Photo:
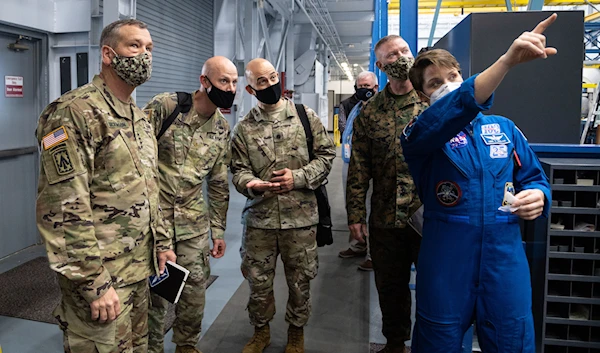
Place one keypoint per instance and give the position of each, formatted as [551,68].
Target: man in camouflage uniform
[193,149]
[97,205]
[377,155]
[366,86]
[271,167]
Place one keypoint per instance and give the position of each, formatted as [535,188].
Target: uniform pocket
[119,163]
[261,157]
[79,322]
[312,261]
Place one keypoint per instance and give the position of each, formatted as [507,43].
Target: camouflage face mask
[134,70]
[399,69]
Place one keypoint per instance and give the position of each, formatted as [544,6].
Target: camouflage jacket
[260,146]
[377,154]
[191,151]
[97,204]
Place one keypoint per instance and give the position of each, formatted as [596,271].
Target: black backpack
[324,233]
[185,102]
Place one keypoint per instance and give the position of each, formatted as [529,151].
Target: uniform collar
[213,124]
[260,115]
[192,118]
[118,106]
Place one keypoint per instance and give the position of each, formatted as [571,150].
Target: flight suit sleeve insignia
[408,128]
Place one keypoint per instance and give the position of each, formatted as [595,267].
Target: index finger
[542,26]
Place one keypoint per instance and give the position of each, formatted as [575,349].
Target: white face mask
[443,90]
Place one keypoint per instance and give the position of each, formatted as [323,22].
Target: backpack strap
[306,124]
[184,104]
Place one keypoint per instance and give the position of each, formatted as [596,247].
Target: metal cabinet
[571,301]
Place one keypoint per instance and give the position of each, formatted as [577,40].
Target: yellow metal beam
[454,11]
[589,85]
[592,17]
[430,4]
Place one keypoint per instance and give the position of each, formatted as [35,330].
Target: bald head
[218,64]
[221,72]
[260,73]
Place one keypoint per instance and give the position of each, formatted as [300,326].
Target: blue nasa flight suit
[472,264]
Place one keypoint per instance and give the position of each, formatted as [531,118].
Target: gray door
[18,151]
[183,36]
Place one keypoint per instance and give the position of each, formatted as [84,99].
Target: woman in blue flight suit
[472,264]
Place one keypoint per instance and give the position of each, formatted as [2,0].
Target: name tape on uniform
[495,139]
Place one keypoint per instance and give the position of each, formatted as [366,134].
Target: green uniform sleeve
[359,172]
[164,238]
[218,191]
[159,108]
[240,163]
[64,211]
[312,175]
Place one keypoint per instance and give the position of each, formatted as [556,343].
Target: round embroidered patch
[448,193]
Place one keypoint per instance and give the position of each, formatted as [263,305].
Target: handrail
[15,152]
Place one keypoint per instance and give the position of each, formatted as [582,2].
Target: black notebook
[170,284]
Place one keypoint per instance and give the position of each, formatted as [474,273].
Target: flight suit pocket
[503,337]
[502,168]
[119,162]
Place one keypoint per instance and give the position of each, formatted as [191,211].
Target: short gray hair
[110,34]
[365,74]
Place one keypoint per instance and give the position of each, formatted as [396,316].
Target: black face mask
[220,98]
[364,93]
[269,95]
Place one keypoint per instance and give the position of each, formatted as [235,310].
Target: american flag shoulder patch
[55,137]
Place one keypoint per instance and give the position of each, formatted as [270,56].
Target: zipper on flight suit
[482,186]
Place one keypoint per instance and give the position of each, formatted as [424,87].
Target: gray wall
[542,97]
[183,36]
[18,151]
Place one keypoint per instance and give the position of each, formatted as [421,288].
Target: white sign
[13,86]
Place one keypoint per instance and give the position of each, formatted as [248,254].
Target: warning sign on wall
[13,86]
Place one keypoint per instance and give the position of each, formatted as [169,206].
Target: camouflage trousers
[393,252]
[193,254]
[259,251]
[128,333]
